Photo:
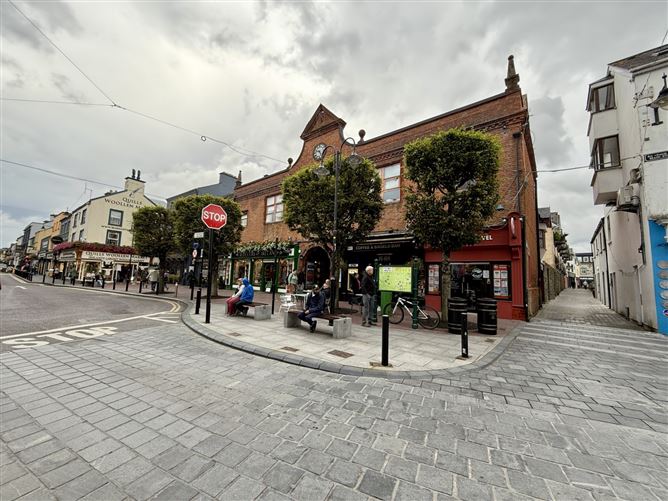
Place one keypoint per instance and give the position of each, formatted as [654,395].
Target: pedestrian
[231,302]
[355,283]
[246,297]
[368,289]
[293,280]
[153,276]
[327,292]
[73,276]
[313,307]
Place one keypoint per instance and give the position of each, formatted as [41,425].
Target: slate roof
[544,212]
[649,56]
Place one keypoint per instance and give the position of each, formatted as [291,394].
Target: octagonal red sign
[214,216]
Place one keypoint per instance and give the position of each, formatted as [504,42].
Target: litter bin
[486,309]
[457,306]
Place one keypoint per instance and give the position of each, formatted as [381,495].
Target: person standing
[315,304]
[293,280]
[368,290]
[153,276]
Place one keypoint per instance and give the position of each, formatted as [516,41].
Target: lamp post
[321,171]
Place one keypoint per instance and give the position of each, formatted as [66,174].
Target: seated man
[315,304]
[246,297]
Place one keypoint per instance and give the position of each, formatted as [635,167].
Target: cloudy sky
[250,74]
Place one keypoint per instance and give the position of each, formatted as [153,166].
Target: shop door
[471,281]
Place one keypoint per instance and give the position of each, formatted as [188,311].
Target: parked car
[4,267]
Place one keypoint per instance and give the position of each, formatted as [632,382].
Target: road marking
[161,320]
[82,326]
[19,280]
[31,342]
[20,287]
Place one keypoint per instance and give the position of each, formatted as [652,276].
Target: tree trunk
[445,286]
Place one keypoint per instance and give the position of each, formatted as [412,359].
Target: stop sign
[214,216]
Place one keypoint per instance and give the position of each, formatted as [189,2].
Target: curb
[347,370]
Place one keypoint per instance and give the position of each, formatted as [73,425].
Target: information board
[395,278]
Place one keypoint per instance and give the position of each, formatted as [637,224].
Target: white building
[628,136]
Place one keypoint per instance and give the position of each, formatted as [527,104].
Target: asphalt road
[34,314]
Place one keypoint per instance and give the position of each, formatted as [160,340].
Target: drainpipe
[607,264]
[524,270]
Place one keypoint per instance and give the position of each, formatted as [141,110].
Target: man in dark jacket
[315,304]
[368,291]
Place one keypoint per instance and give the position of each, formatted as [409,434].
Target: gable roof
[322,120]
[652,56]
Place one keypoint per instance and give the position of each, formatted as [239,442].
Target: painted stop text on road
[61,336]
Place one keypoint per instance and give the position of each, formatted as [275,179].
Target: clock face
[318,151]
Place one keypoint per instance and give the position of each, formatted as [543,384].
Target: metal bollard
[63,277]
[192,291]
[103,282]
[127,284]
[53,278]
[141,283]
[465,336]
[43,277]
[199,298]
[385,347]
[114,284]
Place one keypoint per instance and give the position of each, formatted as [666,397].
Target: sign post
[214,217]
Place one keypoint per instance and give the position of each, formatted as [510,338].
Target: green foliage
[252,249]
[309,203]
[455,190]
[187,221]
[152,229]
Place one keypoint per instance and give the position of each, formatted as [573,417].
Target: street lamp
[321,171]
[661,100]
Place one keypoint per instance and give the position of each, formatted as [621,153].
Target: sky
[249,75]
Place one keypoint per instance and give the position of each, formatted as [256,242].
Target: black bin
[486,310]
[457,306]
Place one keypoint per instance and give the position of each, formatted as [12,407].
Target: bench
[341,326]
[262,310]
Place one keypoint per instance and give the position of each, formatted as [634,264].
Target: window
[244,219]
[274,212]
[81,235]
[605,153]
[115,217]
[83,216]
[113,237]
[541,239]
[391,191]
[602,98]
[76,220]
[44,244]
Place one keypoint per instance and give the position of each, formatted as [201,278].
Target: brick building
[504,265]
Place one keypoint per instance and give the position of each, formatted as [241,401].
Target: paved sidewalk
[581,307]
[410,350]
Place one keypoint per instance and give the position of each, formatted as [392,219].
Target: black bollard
[192,291]
[127,284]
[114,284]
[63,277]
[103,282]
[53,277]
[43,277]
[465,336]
[199,298]
[385,349]
[141,283]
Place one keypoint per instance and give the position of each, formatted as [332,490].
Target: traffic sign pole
[207,318]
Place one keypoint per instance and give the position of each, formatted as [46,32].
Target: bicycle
[427,317]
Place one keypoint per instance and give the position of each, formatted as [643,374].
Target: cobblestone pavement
[567,412]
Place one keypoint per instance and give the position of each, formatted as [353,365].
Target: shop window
[274,209]
[480,280]
[244,219]
[602,98]
[115,217]
[83,216]
[113,237]
[605,153]
[434,279]
[391,190]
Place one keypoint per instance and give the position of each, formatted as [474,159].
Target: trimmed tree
[309,206]
[153,231]
[188,221]
[455,191]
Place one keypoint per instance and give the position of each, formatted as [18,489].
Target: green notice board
[395,278]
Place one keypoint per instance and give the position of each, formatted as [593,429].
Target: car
[4,267]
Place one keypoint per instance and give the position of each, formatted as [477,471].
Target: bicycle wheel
[429,318]
[395,312]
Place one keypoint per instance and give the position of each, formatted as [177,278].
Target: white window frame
[273,212]
[244,219]
[118,242]
[385,180]
[120,223]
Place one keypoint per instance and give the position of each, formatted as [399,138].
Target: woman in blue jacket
[246,298]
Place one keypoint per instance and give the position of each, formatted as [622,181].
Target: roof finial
[512,80]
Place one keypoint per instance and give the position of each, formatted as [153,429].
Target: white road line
[20,287]
[82,326]
[161,320]
[19,280]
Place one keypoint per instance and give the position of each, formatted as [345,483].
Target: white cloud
[251,74]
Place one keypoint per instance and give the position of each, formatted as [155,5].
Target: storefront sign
[112,256]
[377,245]
[68,255]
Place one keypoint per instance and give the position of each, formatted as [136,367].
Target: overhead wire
[204,137]
[69,176]
[77,103]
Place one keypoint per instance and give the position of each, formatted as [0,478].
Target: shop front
[493,268]
[263,264]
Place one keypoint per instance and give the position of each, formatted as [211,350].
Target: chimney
[512,80]
[134,183]
[238,183]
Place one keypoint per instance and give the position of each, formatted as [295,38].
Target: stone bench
[341,326]
[262,311]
